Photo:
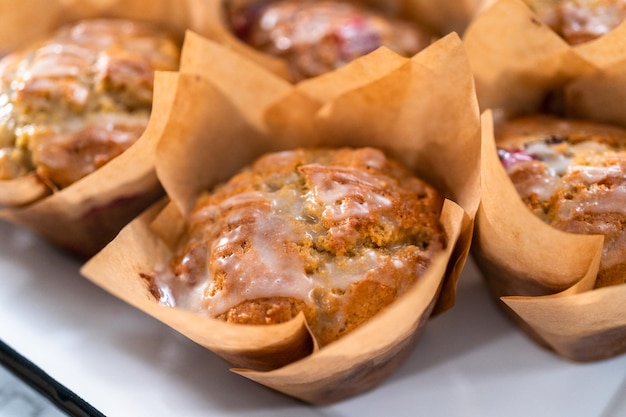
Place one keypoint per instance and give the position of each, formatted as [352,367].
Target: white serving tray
[470,361]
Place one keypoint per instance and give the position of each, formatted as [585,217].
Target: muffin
[316,37]
[223,133]
[571,174]
[579,21]
[73,102]
[334,234]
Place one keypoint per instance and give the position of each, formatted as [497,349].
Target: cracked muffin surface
[316,37]
[334,234]
[572,175]
[71,103]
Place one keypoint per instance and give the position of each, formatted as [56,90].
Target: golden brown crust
[571,174]
[335,234]
[273,310]
[580,21]
[73,102]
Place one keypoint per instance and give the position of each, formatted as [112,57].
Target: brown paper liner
[22,190]
[309,114]
[139,250]
[86,215]
[440,17]
[443,16]
[361,360]
[604,51]
[517,61]
[585,327]
[526,262]
[599,96]
[607,50]
[422,111]
[544,277]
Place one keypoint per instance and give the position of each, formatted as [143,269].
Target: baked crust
[73,102]
[334,234]
[572,174]
[316,37]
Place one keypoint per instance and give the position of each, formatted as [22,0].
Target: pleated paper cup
[442,16]
[604,51]
[420,111]
[518,62]
[543,277]
[86,215]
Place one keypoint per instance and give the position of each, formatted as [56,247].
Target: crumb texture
[572,174]
[335,234]
[71,103]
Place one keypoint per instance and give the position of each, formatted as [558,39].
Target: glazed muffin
[571,174]
[579,21]
[316,37]
[73,102]
[334,234]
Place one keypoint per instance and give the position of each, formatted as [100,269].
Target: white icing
[59,60]
[612,253]
[597,200]
[7,136]
[543,186]
[268,268]
[556,161]
[553,156]
[375,160]
[349,193]
[564,164]
[592,174]
[350,269]
[190,299]
[260,240]
[269,19]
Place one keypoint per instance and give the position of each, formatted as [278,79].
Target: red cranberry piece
[510,157]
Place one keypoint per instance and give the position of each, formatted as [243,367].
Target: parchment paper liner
[545,277]
[212,134]
[516,60]
[441,17]
[604,51]
[86,215]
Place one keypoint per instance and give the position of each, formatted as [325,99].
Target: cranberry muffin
[572,175]
[316,37]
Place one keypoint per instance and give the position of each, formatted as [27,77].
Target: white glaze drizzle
[261,254]
[270,267]
[600,169]
[346,192]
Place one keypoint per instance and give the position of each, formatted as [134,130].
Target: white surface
[470,361]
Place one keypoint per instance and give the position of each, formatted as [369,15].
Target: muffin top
[71,103]
[579,21]
[334,234]
[571,174]
[320,36]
